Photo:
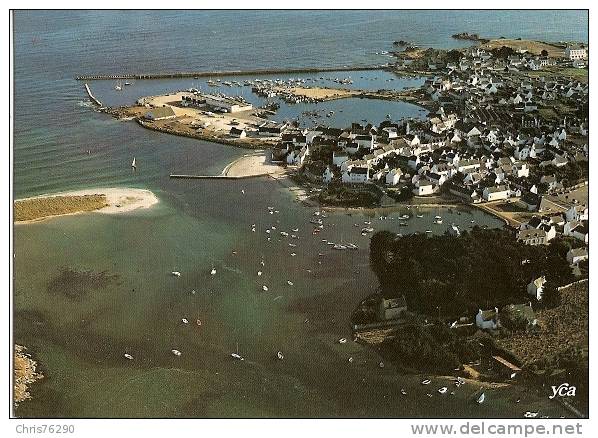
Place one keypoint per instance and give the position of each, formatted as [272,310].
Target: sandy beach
[118,200]
[253,165]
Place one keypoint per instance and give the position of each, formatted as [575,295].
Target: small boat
[339,247]
[289,282]
[295,230]
[443,390]
[381,365]
[236,354]
[404,216]
[351,359]
[259,273]
[530,414]
[213,271]
[429,231]
[342,341]
[185,321]
[426,382]
[279,355]
[284,233]
[481,398]
[134,164]
[438,217]
[176,273]
[419,216]
[198,322]
[128,356]
[118,86]
[127,83]
[403,391]
[176,352]
[265,288]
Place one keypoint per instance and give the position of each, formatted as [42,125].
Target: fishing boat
[134,164]
[176,273]
[443,390]
[426,382]
[176,352]
[128,356]
[279,355]
[481,398]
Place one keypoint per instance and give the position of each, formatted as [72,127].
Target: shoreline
[119,200]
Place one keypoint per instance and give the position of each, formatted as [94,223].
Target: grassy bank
[39,208]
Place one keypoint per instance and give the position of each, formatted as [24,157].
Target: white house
[487,319]
[536,288]
[577,213]
[356,175]
[495,193]
[338,158]
[393,177]
[577,53]
[423,187]
[327,175]
[576,229]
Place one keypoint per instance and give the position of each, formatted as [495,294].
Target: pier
[174,75]
[91,96]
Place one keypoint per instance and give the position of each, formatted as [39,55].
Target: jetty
[194,74]
[181,176]
[92,97]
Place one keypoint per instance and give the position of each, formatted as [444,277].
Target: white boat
[419,215]
[481,398]
[443,390]
[404,216]
[403,391]
[259,273]
[236,355]
[342,341]
[213,271]
[185,321]
[127,83]
[351,360]
[438,217]
[426,382]
[530,414]
[176,352]
[339,246]
[118,86]
[134,163]
[279,355]
[381,364]
[176,273]
[438,221]
[295,230]
[128,356]
[289,282]
[265,288]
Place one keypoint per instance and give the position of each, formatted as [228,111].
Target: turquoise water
[61,144]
